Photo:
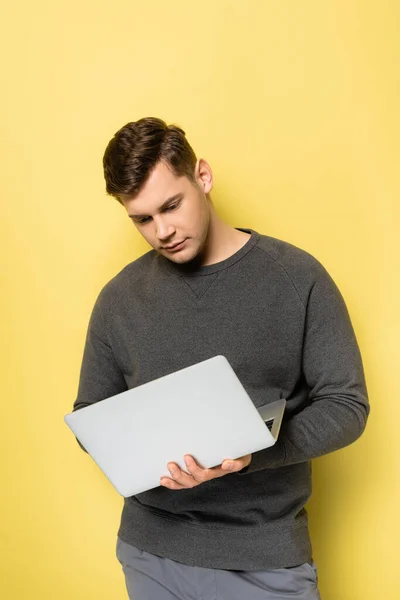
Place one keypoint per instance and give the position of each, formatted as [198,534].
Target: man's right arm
[100,374]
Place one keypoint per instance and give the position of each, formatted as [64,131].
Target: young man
[238,531]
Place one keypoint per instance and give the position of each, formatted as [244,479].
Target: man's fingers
[232,466]
[171,484]
[180,476]
[199,474]
[228,466]
[196,475]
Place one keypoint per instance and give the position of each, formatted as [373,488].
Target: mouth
[175,247]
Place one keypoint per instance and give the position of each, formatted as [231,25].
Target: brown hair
[135,150]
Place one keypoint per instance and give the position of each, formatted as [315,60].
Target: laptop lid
[202,410]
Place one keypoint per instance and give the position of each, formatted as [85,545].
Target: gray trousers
[150,577]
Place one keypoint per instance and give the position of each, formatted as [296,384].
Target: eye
[143,221]
[172,206]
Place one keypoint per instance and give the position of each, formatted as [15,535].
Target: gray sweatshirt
[276,314]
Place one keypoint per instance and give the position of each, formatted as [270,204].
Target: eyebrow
[164,204]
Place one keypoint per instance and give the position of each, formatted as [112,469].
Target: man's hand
[182,480]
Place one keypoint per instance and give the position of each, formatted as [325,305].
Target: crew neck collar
[192,270]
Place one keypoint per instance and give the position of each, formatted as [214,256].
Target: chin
[185,256]
[181,259]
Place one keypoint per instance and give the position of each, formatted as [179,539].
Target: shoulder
[301,267]
[132,276]
[287,255]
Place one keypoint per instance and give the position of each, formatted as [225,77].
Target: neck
[222,241]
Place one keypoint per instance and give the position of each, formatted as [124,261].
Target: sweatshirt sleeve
[100,374]
[337,409]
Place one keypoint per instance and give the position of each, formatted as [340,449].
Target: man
[238,531]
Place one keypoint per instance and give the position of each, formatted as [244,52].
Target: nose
[164,230]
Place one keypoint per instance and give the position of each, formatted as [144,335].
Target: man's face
[171,213]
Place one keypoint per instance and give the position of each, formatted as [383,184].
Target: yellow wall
[295,106]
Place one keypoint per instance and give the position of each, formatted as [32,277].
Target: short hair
[135,150]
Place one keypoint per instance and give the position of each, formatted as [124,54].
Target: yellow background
[295,106]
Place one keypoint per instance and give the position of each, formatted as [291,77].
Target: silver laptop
[202,410]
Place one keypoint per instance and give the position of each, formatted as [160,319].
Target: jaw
[187,255]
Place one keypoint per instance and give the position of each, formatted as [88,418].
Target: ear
[203,175]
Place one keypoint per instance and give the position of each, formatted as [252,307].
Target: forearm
[328,424]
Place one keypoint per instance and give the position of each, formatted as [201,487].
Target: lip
[174,247]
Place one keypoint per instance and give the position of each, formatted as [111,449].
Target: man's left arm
[333,370]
